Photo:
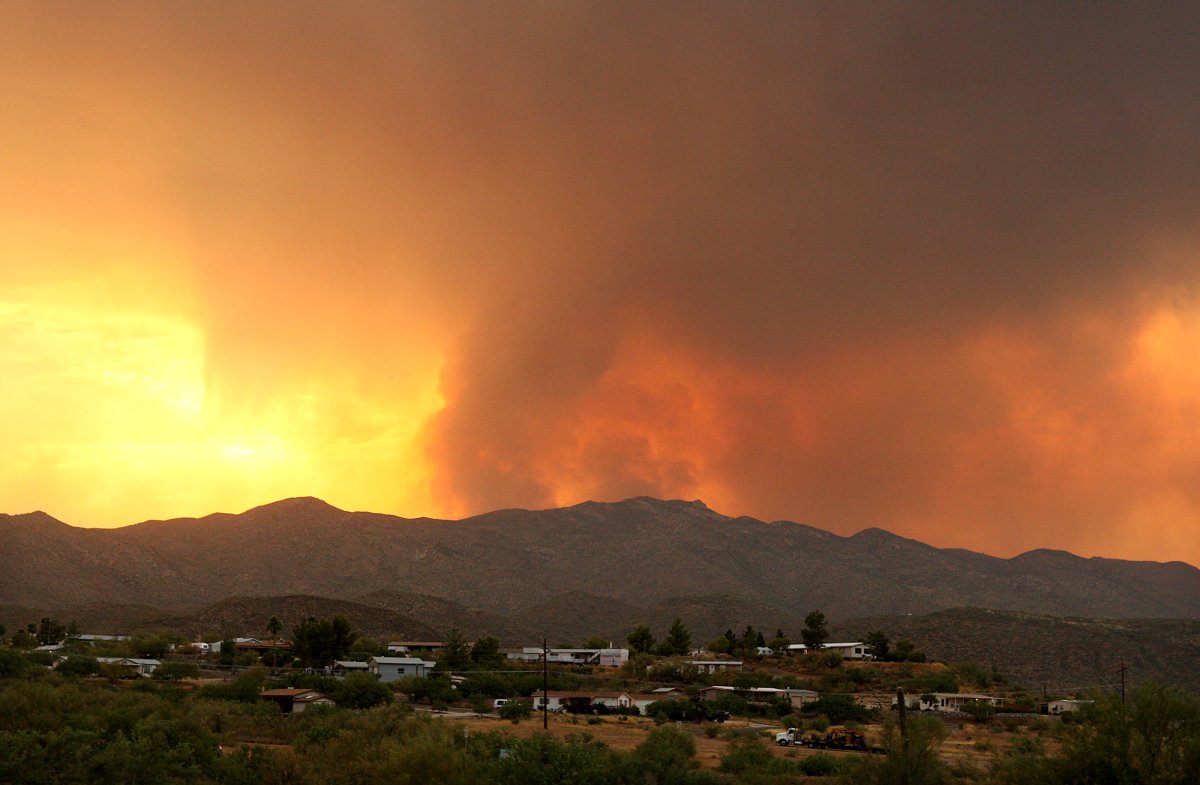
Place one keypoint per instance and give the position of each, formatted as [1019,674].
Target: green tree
[679,639]
[1152,739]
[486,651]
[780,642]
[365,648]
[274,625]
[318,642]
[911,759]
[906,651]
[666,756]
[23,639]
[150,645]
[515,710]
[361,691]
[749,640]
[877,645]
[816,630]
[641,640]
[455,653]
[50,631]
[77,665]
[13,663]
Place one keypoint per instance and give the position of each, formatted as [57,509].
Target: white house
[642,701]
[557,700]
[954,701]
[855,650]
[342,667]
[713,666]
[393,668]
[413,647]
[1063,706]
[135,665]
[605,658]
[89,638]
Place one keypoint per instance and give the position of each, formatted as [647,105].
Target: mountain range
[593,568]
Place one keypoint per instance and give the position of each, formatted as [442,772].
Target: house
[135,666]
[261,647]
[642,701]
[954,701]
[413,647]
[855,650]
[612,700]
[393,668]
[1063,706]
[667,693]
[294,700]
[713,666]
[141,666]
[578,702]
[89,638]
[342,667]
[794,696]
[605,658]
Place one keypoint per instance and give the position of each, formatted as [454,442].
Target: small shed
[293,700]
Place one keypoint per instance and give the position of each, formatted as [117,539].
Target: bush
[820,765]
[12,663]
[361,691]
[515,711]
[77,665]
[745,753]
[840,708]
[174,671]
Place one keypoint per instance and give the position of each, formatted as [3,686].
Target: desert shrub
[820,765]
[840,708]
[361,691]
[515,710]
[745,753]
[174,671]
[79,665]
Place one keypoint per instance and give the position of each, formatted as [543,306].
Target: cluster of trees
[748,643]
[678,640]
[879,647]
[457,654]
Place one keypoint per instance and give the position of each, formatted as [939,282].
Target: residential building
[341,668]
[855,650]
[414,647]
[393,668]
[605,658]
[714,666]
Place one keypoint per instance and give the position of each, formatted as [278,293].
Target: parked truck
[835,739]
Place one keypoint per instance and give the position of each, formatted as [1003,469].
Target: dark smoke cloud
[847,264]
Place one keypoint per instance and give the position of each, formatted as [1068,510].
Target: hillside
[1036,650]
[637,554]
[248,615]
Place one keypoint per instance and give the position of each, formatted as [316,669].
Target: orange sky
[932,268]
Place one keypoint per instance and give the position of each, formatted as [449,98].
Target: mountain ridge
[638,552]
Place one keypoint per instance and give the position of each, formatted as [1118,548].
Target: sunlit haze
[928,267]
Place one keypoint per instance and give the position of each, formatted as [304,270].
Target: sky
[930,267]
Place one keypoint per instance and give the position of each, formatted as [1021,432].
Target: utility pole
[900,708]
[1122,681]
[545,685]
